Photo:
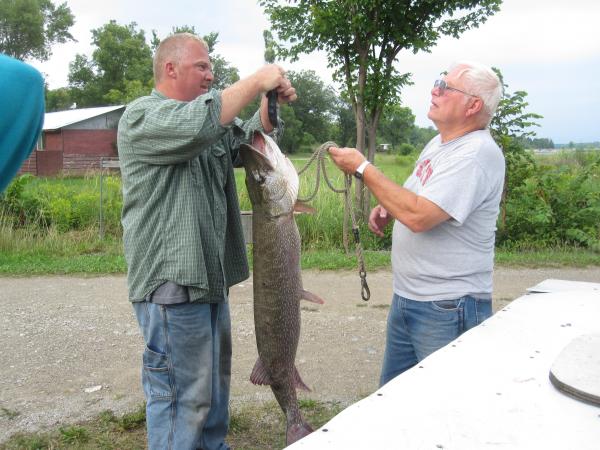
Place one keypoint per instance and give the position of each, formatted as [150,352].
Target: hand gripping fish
[272,184]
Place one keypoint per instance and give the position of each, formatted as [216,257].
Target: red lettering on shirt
[424,171]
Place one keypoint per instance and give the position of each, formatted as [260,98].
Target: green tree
[294,137]
[396,124]
[419,136]
[224,73]
[509,126]
[119,71]
[316,103]
[270,51]
[29,28]
[84,86]
[58,99]
[363,38]
[346,124]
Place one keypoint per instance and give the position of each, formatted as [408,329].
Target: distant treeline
[579,145]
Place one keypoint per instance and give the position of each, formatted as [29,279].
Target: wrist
[358,173]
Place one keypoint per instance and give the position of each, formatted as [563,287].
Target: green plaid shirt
[181,218]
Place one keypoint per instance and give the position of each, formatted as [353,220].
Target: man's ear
[475,105]
[170,70]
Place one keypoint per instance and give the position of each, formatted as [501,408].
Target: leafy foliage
[363,38]
[65,204]
[224,74]
[315,105]
[29,28]
[542,205]
[119,71]
[396,125]
[555,206]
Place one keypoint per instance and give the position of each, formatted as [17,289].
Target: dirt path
[71,348]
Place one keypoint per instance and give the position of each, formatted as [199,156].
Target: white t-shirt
[465,178]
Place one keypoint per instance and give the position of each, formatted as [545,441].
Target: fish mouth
[259,151]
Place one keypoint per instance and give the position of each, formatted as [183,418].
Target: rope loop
[319,156]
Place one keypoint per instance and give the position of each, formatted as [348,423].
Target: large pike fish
[272,184]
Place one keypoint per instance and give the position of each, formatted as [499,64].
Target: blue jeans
[186,374]
[416,329]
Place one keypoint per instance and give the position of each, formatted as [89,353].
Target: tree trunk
[360,145]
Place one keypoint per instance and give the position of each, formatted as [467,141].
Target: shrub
[554,206]
[406,149]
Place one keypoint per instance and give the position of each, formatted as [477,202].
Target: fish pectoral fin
[298,383]
[306,295]
[302,207]
[259,374]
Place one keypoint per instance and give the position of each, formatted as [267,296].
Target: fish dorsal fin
[303,207]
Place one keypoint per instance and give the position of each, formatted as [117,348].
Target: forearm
[415,212]
[236,96]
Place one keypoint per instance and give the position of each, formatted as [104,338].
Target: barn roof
[60,119]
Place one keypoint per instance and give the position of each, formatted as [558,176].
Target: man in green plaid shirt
[183,237]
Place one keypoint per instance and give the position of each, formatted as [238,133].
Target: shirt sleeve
[458,186]
[164,131]
[21,114]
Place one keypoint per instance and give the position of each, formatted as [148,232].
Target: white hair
[481,81]
[171,49]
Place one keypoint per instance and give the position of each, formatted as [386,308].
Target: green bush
[406,149]
[553,205]
[68,203]
[544,205]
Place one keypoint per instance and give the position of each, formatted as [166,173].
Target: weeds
[9,413]
[251,427]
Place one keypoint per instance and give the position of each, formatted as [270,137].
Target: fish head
[271,178]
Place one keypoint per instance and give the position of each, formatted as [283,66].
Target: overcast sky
[548,48]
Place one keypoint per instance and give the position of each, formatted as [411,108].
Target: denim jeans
[186,374]
[415,329]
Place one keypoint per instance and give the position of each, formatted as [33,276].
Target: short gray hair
[170,49]
[481,81]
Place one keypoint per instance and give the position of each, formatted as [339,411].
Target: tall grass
[324,229]
[51,225]
[567,158]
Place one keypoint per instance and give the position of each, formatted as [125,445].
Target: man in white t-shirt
[445,220]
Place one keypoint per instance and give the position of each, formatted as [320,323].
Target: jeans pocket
[156,378]
[445,305]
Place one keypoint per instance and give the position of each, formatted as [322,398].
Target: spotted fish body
[272,184]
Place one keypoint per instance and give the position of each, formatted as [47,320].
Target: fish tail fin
[259,374]
[306,295]
[298,383]
[297,431]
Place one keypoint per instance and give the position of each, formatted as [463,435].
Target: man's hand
[269,77]
[378,220]
[242,92]
[286,93]
[347,159]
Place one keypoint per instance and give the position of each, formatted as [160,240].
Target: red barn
[75,140]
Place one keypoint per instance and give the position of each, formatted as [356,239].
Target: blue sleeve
[21,115]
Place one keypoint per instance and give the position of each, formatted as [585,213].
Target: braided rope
[319,156]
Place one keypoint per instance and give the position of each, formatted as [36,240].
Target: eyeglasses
[442,86]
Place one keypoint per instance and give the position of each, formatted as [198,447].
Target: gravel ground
[71,346]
